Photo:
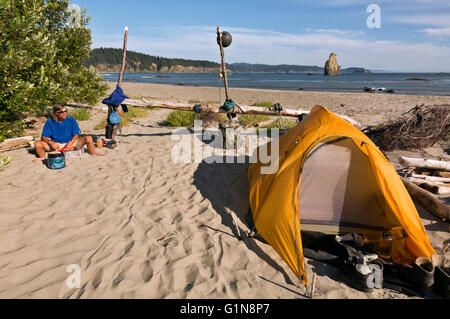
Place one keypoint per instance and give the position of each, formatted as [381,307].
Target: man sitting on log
[62,133]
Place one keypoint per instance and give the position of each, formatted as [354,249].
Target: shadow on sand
[225,185]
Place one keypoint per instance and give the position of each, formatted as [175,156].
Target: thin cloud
[437,20]
[349,33]
[440,32]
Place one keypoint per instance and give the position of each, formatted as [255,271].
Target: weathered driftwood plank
[264,123]
[433,204]
[442,174]
[241,109]
[435,187]
[432,178]
[15,143]
[425,163]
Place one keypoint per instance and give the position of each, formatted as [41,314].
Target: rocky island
[331,66]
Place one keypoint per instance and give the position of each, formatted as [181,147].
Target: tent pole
[296,247]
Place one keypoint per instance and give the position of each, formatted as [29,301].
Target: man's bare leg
[41,147]
[89,142]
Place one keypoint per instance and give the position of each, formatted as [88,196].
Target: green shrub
[81,114]
[133,112]
[41,61]
[289,124]
[196,101]
[253,119]
[263,104]
[4,161]
[179,118]
[101,125]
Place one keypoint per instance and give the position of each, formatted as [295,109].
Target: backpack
[114,118]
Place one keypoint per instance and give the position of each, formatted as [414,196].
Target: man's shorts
[62,145]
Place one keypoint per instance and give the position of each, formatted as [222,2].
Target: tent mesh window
[338,191]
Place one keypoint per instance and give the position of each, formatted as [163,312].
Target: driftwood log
[435,187]
[433,204]
[432,178]
[425,163]
[15,143]
[241,109]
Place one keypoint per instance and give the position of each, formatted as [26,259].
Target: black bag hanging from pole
[226,39]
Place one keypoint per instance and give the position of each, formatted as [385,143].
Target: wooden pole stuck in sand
[223,66]
[124,56]
[313,286]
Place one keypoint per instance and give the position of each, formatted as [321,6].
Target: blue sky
[414,35]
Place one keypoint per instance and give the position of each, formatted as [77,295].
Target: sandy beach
[139,225]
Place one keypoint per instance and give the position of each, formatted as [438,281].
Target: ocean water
[401,83]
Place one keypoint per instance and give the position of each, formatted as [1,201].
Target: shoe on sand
[441,275]
[420,276]
[111,144]
[363,278]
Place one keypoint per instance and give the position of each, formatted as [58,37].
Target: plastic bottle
[385,246]
[99,142]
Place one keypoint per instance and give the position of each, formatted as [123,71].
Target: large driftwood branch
[434,187]
[433,204]
[15,143]
[242,109]
[425,163]
[432,178]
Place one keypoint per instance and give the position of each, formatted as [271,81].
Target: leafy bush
[263,104]
[80,114]
[179,118]
[252,119]
[4,161]
[196,101]
[42,61]
[133,112]
[101,125]
[289,124]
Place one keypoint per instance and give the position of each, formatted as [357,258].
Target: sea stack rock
[331,66]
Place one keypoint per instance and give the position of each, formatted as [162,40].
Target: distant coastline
[108,60]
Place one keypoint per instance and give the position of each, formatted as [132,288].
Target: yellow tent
[332,178]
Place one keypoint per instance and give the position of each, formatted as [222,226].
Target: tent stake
[313,286]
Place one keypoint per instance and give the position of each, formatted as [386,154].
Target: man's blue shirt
[61,132]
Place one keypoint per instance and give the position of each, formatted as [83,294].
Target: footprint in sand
[96,281]
[147,271]
[191,274]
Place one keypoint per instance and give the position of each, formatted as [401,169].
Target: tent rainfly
[333,179]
